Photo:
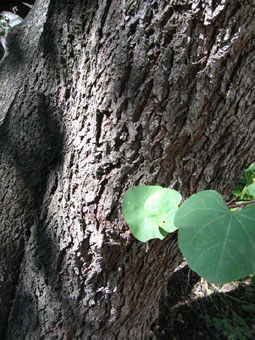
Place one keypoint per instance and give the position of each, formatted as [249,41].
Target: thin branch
[240,205]
[26,4]
[239,195]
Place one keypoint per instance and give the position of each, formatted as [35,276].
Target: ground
[194,309]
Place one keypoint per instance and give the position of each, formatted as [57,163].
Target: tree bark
[96,97]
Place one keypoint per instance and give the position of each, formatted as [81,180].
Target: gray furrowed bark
[112,94]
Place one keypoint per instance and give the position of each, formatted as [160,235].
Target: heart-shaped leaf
[217,243]
[150,211]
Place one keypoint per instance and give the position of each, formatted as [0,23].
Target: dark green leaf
[218,244]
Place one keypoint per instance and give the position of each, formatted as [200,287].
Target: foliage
[234,328]
[218,244]
[245,190]
[218,241]
[150,211]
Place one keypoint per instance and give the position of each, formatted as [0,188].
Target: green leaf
[251,190]
[150,211]
[218,244]
[160,208]
[248,308]
[251,167]
[237,190]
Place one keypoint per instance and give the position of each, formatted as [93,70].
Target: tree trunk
[96,97]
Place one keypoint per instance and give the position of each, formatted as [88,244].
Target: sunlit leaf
[150,210]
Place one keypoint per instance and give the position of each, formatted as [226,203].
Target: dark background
[21,9]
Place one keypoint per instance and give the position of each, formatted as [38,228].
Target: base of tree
[191,302]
